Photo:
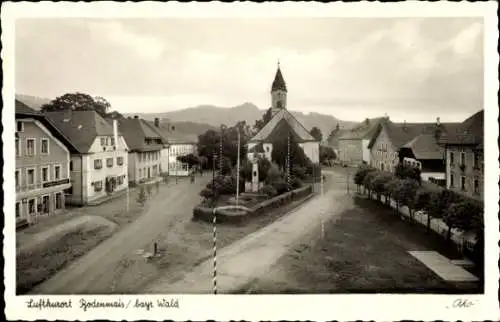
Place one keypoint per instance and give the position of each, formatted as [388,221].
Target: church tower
[278,92]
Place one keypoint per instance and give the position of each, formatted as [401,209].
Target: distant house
[179,144]
[145,144]
[353,144]
[464,150]
[42,171]
[282,124]
[413,144]
[332,140]
[98,167]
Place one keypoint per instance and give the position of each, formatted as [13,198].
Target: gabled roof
[279,82]
[425,147]
[81,127]
[469,132]
[301,132]
[136,131]
[366,130]
[24,111]
[335,135]
[172,136]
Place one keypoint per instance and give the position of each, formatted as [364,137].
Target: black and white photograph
[242,154]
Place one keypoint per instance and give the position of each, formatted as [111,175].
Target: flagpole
[238,170]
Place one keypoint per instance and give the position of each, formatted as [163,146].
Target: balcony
[39,186]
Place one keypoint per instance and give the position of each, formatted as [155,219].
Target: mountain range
[215,116]
[201,118]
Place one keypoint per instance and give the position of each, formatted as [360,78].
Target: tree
[379,181]
[368,182]
[189,159]
[280,152]
[396,192]
[316,133]
[402,171]
[360,175]
[259,124]
[78,102]
[326,153]
[408,191]
[458,215]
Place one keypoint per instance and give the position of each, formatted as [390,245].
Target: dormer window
[20,126]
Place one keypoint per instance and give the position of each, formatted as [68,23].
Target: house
[98,168]
[179,144]
[145,145]
[353,144]
[413,144]
[281,125]
[333,139]
[464,153]
[42,171]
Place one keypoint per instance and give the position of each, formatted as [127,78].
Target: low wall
[229,216]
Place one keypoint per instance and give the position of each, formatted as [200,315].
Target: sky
[352,68]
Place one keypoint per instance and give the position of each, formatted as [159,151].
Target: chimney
[157,122]
[136,116]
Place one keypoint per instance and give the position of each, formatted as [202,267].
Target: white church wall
[311,150]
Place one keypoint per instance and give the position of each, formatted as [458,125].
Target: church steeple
[278,91]
[279,81]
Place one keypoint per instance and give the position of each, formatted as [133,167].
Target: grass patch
[365,251]
[38,265]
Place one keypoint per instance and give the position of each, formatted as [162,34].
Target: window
[30,177]
[70,165]
[476,159]
[119,180]
[59,200]
[18,179]
[103,141]
[462,183]
[31,206]
[18,210]
[140,173]
[112,141]
[20,126]
[57,172]
[45,146]
[30,146]
[462,158]
[45,174]
[476,185]
[98,164]
[97,186]
[452,158]
[452,180]
[109,162]
[119,160]
[18,148]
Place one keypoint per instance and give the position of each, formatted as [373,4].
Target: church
[282,124]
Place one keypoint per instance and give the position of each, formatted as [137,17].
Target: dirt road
[255,254]
[93,273]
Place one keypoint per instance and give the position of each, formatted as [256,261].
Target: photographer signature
[462,304]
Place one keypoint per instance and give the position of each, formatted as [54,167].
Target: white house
[282,123]
[99,168]
[178,144]
[145,145]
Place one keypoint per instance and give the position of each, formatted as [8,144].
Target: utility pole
[238,169]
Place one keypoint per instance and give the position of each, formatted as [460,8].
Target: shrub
[280,185]
[458,215]
[368,181]
[407,172]
[296,183]
[299,172]
[360,175]
[274,174]
[269,190]
[379,181]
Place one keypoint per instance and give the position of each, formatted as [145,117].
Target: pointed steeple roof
[279,81]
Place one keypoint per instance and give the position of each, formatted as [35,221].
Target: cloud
[465,42]
[114,32]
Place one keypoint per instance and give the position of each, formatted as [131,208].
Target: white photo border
[264,307]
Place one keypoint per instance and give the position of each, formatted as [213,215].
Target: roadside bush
[269,190]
